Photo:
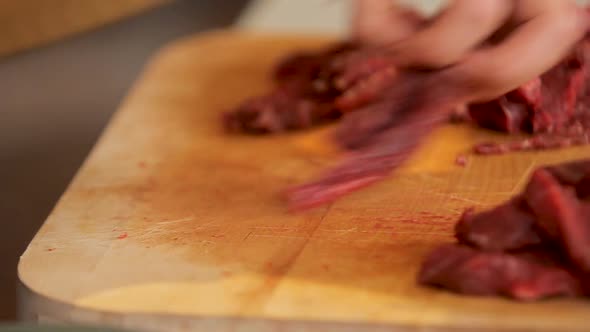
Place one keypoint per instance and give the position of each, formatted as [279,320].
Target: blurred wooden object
[29,23]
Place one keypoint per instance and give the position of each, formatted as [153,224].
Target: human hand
[485,47]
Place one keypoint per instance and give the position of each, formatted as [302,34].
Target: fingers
[381,22]
[459,29]
[529,51]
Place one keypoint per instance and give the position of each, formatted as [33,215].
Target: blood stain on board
[461,161]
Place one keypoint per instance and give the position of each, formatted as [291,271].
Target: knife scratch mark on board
[161,227]
[165,222]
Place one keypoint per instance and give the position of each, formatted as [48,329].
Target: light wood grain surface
[30,23]
[171,217]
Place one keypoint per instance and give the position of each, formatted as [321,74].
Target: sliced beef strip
[468,271]
[277,112]
[583,188]
[297,66]
[303,96]
[562,216]
[396,127]
[560,89]
[509,113]
[314,88]
[501,114]
[310,64]
[570,173]
[529,93]
[509,226]
[575,173]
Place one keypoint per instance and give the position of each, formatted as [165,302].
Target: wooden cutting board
[173,225]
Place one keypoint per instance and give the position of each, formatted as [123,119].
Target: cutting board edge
[39,308]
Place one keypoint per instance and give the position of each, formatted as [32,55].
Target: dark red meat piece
[544,105]
[468,271]
[576,173]
[304,96]
[314,88]
[529,93]
[380,142]
[501,114]
[554,108]
[277,112]
[509,226]
[562,216]
[560,89]
[309,65]
[583,188]
[511,112]
[570,173]
[536,245]
[297,66]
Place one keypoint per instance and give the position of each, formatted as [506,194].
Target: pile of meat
[534,246]
[385,113]
[554,108]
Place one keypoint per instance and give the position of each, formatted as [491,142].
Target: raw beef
[554,108]
[502,114]
[536,245]
[381,137]
[583,188]
[509,226]
[571,173]
[278,111]
[562,216]
[468,271]
[303,96]
[386,112]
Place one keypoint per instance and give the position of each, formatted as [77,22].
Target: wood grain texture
[169,216]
